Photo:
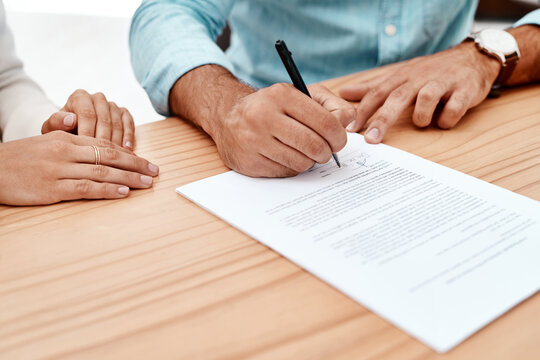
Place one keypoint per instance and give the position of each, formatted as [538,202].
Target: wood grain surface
[154,276]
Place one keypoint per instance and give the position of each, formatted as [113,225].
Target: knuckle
[88,113]
[117,125]
[99,96]
[400,93]
[58,146]
[103,143]
[349,113]
[111,154]
[315,149]
[133,178]
[59,134]
[376,92]
[83,187]
[384,116]
[105,121]
[426,96]
[278,89]
[141,164]
[330,124]
[100,171]
[79,93]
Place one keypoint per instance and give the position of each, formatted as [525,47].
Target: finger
[300,137]
[343,110]
[356,92]
[389,113]
[81,104]
[107,174]
[261,166]
[287,156]
[104,121]
[426,102]
[113,157]
[129,129]
[60,120]
[454,110]
[310,113]
[89,141]
[87,189]
[117,124]
[372,101]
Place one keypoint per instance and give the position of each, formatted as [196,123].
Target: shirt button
[390,30]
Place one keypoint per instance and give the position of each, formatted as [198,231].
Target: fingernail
[352,126]
[147,180]
[153,168]
[373,134]
[128,144]
[69,120]
[123,190]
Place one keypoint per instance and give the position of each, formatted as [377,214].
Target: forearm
[205,95]
[528,67]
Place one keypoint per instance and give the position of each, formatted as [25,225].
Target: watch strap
[507,68]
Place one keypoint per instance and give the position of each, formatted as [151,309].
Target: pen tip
[336,160]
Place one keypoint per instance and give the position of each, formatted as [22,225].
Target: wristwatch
[500,45]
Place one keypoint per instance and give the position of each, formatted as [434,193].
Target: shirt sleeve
[531,18]
[23,105]
[168,38]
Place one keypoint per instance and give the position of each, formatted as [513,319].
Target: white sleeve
[23,105]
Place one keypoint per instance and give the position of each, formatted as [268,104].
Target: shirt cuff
[531,18]
[171,64]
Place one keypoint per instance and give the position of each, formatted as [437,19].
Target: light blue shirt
[327,38]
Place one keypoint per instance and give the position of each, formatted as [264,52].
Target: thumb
[60,120]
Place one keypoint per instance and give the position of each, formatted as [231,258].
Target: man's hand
[451,82]
[441,87]
[279,131]
[274,132]
[93,115]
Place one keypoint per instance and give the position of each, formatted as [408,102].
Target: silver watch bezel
[479,39]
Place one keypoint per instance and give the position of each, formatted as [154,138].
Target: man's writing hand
[278,131]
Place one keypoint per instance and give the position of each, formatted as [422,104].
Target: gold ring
[97,155]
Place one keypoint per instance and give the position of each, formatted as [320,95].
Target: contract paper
[438,253]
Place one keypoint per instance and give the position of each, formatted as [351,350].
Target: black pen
[295,76]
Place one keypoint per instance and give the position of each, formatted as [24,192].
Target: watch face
[498,41]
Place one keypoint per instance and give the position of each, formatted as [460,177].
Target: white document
[438,253]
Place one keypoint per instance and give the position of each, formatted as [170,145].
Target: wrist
[488,66]
[205,95]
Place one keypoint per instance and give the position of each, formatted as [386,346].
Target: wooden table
[154,276]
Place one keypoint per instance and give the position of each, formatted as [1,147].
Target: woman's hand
[60,166]
[94,116]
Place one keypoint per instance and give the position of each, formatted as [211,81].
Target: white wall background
[123,8]
[71,44]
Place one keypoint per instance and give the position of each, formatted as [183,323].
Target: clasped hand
[57,166]
[93,115]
